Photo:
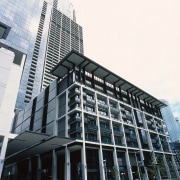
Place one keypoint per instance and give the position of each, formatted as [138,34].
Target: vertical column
[38,167]
[67,164]
[29,169]
[167,168]
[101,165]
[14,171]
[54,165]
[2,153]
[66,121]
[116,166]
[84,166]
[128,165]
[175,167]
[83,149]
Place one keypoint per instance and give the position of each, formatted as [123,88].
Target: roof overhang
[28,144]
[75,59]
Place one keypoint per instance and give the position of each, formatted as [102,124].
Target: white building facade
[10,71]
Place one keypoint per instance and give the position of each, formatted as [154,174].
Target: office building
[172,124]
[89,123]
[10,71]
[38,29]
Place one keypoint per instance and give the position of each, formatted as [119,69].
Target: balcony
[74,130]
[114,110]
[91,139]
[102,106]
[74,92]
[154,141]
[132,136]
[91,128]
[118,133]
[73,101]
[148,122]
[118,142]
[106,130]
[129,116]
[126,130]
[106,140]
[90,101]
[74,119]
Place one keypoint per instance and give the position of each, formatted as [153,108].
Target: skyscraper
[38,29]
[172,125]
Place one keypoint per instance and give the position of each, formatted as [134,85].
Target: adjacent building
[90,123]
[40,30]
[171,122]
[10,71]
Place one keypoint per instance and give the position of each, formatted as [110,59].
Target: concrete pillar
[116,166]
[39,165]
[84,165]
[175,167]
[128,165]
[67,164]
[167,167]
[101,165]
[29,169]
[14,172]
[2,153]
[54,165]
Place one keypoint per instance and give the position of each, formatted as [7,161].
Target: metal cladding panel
[75,59]
[101,73]
[91,67]
[111,78]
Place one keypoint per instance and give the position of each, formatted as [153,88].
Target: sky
[138,40]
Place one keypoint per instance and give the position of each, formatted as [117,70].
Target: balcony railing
[75,119]
[102,106]
[118,133]
[74,100]
[74,92]
[132,136]
[90,101]
[115,110]
[75,129]
[106,130]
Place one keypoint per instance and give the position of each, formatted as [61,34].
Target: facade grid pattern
[125,136]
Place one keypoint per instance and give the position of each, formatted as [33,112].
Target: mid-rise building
[38,29]
[171,122]
[90,123]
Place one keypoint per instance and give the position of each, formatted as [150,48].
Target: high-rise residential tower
[38,29]
[172,124]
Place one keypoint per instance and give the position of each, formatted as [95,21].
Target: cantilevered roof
[74,58]
[29,144]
